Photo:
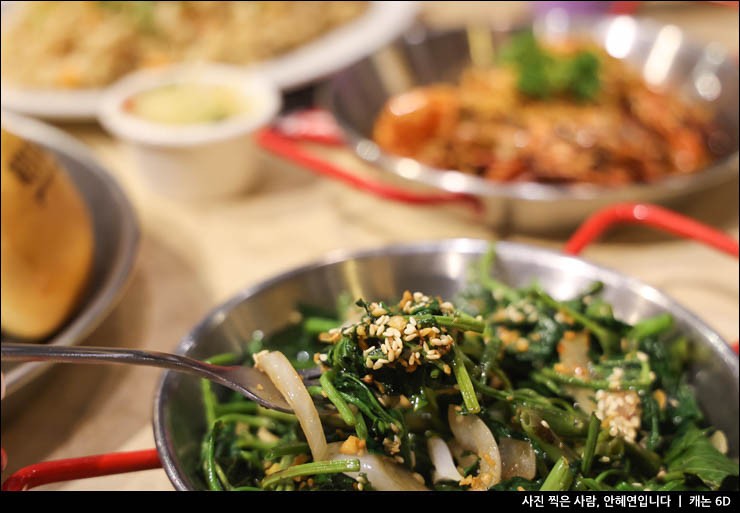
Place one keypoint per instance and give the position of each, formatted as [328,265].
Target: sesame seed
[391,332]
[378,311]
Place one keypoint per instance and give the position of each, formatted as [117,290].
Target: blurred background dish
[189,126]
[662,54]
[115,233]
[291,43]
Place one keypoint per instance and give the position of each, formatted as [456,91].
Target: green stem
[214,484]
[236,407]
[222,476]
[460,321]
[559,478]
[672,476]
[210,404]
[277,415]
[255,443]
[224,359]
[648,461]
[252,457]
[494,286]
[609,473]
[593,484]
[316,325]
[333,395]
[463,380]
[596,384]
[312,469]
[650,327]
[594,426]
[360,426]
[291,448]
[249,420]
[607,339]
[209,401]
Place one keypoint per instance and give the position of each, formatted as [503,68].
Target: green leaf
[692,453]
[543,74]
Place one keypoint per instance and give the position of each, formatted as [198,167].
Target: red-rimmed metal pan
[438,268]
[357,94]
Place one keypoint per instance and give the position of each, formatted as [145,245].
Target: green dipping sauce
[188,103]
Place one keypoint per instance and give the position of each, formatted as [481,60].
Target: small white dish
[192,161]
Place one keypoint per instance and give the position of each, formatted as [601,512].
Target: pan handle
[650,215]
[277,142]
[81,468]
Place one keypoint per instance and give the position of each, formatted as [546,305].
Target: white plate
[380,24]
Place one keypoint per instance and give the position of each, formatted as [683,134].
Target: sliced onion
[719,441]
[517,459]
[285,378]
[573,354]
[473,434]
[383,474]
[444,466]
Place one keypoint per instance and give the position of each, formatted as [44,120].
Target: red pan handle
[276,141]
[650,215]
[656,217]
[287,147]
[81,468]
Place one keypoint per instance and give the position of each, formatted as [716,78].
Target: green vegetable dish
[506,389]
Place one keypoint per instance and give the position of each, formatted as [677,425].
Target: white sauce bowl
[196,161]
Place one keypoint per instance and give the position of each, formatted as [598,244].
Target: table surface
[194,256]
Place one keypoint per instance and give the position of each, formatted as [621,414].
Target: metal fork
[248,381]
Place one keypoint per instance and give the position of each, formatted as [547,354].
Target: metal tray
[116,235]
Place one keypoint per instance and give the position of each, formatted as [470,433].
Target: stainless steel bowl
[116,235]
[436,268]
[703,72]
